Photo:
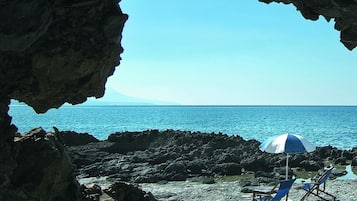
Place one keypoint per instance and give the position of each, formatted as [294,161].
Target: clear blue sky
[232,52]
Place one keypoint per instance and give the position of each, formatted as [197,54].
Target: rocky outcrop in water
[153,156]
[71,138]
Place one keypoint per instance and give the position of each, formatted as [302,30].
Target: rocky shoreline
[152,156]
[166,160]
[129,165]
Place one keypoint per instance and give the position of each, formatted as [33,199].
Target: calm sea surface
[330,125]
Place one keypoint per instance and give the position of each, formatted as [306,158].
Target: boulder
[338,173]
[340,161]
[44,171]
[122,191]
[118,191]
[72,138]
[91,192]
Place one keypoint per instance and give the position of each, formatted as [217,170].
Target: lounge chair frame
[274,194]
[317,187]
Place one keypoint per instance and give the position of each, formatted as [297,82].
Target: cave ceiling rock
[344,13]
[54,52]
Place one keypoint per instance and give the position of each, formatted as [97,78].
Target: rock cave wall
[58,51]
[54,52]
[343,12]
[51,52]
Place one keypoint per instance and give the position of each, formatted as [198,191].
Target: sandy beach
[222,191]
[343,189]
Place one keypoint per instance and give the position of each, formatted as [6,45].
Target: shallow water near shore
[350,174]
[321,125]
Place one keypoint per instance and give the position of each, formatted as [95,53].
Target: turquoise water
[321,125]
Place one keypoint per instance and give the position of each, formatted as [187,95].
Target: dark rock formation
[8,151]
[338,173]
[122,191]
[71,138]
[91,192]
[352,155]
[51,52]
[153,156]
[343,12]
[118,191]
[47,175]
[354,161]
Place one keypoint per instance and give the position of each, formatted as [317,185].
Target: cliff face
[54,52]
[51,52]
[343,12]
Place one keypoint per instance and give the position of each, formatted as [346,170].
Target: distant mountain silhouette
[112,97]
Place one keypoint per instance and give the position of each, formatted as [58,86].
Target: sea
[321,125]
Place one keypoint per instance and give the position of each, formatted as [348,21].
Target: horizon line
[220,105]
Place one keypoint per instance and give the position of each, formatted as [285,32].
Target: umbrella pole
[287,166]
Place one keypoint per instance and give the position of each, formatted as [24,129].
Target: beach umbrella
[287,143]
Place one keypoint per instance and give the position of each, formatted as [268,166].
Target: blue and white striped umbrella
[287,143]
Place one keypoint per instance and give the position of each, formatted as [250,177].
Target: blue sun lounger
[317,187]
[273,194]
